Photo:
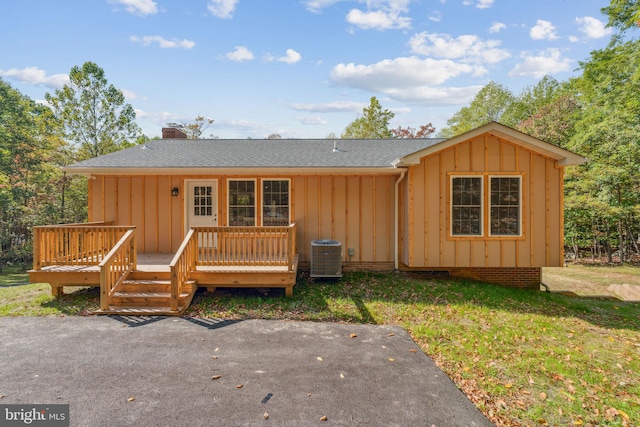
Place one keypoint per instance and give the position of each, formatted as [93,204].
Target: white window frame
[489,206]
[482,205]
[255,200]
[262,198]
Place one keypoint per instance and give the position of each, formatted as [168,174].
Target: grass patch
[524,358]
[19,298]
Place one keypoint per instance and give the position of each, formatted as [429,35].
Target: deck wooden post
[37,263]
[104,291]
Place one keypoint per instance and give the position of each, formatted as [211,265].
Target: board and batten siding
[356,210]
[425,240]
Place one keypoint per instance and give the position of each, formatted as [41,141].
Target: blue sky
[299,68]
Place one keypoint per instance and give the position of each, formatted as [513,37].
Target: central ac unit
[326,258]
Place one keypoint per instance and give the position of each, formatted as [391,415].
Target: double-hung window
[505,205]
[466,206]
[275,202]
[496,198]
[244,203]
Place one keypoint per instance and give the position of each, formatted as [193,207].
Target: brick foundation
[355,266]
[520,277]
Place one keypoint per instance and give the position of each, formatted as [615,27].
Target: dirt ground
[621,282]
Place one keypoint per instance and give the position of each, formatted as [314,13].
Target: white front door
[202,203]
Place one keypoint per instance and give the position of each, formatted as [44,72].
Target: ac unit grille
[326,258]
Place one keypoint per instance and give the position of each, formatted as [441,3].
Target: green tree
[489,104]
[623,14]
[93,112]
[29,178]
[608,132]
[374,123]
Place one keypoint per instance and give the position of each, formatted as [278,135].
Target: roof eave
[137,171]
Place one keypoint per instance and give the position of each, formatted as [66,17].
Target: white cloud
[312,120]
[128,94]
[543,30]
[36,76]
[317,5]
[241,53]
[435,16]
[377,14]
[291,57]
[496,27]
[574,39]
[592,28]
[430,95]
[467,47]
[330,107]
[479,4]
[163,43]
[222,8]
[406,72]
[537,66]
[378,19]
[138,7]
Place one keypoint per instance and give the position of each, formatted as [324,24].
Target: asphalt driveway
[117,371]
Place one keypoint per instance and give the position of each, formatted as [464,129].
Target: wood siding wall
[425,235]
[355,210]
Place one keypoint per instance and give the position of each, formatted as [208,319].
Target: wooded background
[596,114]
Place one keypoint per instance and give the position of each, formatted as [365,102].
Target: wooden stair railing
[116,266]
[182,265]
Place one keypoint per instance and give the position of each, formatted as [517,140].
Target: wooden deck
[162,283]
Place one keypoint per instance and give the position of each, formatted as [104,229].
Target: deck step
[142,311]
[145,299]
[149,297]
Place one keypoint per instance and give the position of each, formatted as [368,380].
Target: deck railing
[183,263]
[116,266]
[246,246]
[74,244]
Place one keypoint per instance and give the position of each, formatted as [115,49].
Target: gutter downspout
[397,220]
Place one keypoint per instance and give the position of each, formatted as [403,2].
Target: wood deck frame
[257,257]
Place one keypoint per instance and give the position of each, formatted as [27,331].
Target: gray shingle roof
[271,153]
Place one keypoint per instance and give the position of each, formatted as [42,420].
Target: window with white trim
[505,205]
[275,202]
[473,199]
[242,203]
[466,206]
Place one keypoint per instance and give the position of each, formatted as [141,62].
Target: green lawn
[524,358]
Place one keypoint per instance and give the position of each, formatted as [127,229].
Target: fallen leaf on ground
[131,399]
[214,357]
[543,395]
[508,385]
[265,416]
[323,418]
[391,359]
[319,359]
[341,375]
[217,348]
[239,386]
[413,350]
[391,334]
[216,377]
[352,336]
